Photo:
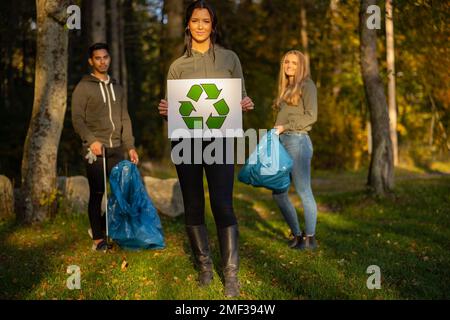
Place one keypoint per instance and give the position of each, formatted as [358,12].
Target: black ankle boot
[307,243]
[295,241]
[228,241]
[198,238]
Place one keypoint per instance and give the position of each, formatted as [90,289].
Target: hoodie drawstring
[112,91]
[103,92]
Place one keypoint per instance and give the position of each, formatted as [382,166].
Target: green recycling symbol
[212,93]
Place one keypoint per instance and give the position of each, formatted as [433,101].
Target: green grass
[406,235]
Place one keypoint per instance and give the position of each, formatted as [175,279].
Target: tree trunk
[174,27]
[336,47]
[49,106]
[381,173]
[304,33]
[172,38]
[435,115]
[431,139]
[114,36]
[369,138]
[98,21]
[122,61]
[390,60]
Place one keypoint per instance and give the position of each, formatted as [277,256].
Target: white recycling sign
[204,107]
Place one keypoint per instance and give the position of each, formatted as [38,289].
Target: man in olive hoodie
[100,117]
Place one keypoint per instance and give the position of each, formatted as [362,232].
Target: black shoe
[198,238]
[307,243]
[110,244]
[101,246]
[228,241]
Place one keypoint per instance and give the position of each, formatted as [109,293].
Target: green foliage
[17,59]
[259,32]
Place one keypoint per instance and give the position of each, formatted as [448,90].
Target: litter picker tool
[106,192]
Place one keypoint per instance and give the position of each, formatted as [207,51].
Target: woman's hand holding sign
[247,104]
[163,107]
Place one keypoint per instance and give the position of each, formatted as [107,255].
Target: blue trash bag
[132,218]
[269,166]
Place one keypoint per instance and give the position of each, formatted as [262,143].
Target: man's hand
[96,148]
[133,156]
[247,104]
[279,129]
[163,107]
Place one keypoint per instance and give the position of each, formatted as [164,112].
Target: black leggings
[220,179]
[94,173]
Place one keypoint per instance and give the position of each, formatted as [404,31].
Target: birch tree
[390,62]
[50,94]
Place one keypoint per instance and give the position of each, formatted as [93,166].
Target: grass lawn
[406,235]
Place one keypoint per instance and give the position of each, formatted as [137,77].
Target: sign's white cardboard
[204,108]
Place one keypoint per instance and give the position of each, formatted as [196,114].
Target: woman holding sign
[204,58]
[296,107]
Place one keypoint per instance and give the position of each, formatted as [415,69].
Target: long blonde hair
[291,93]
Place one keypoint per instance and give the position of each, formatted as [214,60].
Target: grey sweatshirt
[99,113]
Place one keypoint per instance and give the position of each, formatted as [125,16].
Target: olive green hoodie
[220,63]
[99,113]
[301,117]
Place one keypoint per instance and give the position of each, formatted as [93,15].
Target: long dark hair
[215,37]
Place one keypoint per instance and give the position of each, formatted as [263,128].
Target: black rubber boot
[198,238]
[228,241]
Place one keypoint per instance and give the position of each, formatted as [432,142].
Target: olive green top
[100,113]
[222,64]
[301,117]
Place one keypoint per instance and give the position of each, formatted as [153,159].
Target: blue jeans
[300,148]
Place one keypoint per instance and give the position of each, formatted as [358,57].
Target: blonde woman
[296,108]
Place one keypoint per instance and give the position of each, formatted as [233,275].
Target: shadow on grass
[366,231]
[24,265]
[267,256]
[407,236]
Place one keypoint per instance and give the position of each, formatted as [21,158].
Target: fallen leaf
[124,265]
